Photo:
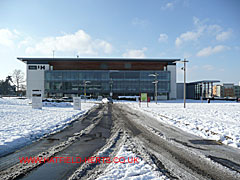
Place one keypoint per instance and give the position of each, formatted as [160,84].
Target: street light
[155,82]
[184,90]
[85,90]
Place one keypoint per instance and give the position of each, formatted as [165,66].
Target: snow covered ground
[219,120]
[20,124]
[129,170]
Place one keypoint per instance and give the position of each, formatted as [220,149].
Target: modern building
[68,77]
[197,89]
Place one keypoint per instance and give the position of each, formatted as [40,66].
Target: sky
[206,33]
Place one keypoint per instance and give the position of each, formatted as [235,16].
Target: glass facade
[122,83]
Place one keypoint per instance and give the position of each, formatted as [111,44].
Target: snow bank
[219,120]
[105,100]
[20,124]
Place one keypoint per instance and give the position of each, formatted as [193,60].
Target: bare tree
[18,78]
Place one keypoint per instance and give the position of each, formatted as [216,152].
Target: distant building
[218,91]
[206,89]
[228,90]
[237,91]
[197,89]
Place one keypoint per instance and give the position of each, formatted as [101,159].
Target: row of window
[103,86]
[105,81]
[104,75]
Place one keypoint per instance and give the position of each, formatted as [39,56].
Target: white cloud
[79,42]
[163,38]
[188,36]
[25,42]
[7,37]
[211,50]
[135,53]
[224,35]
[214,28]
[16,32]
[196,21]
[191,35]
[202,29]
[169,5]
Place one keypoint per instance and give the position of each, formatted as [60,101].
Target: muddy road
[177,154]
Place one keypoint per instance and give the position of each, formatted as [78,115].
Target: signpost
[77,103]
[36,99]
[144,98]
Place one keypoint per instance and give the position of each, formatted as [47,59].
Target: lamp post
[85,89]
[155,75]
[184,90]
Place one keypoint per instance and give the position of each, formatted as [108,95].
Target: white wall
[35,78]
[173,86]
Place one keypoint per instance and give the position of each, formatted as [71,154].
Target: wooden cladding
[65,65]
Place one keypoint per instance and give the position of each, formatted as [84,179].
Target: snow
[133,97]
[20,124]
[105,100]
[218,120]
[131,171]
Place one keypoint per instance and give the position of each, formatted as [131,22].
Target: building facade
[218,90]
[200,89]
[237,91]
[227,90]
[69,77]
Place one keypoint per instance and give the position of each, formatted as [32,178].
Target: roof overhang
[204,81]
[28,60]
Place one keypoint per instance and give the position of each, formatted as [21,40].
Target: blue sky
[207,33]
